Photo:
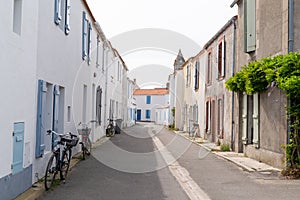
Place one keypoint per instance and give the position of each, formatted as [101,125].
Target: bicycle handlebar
[61,134]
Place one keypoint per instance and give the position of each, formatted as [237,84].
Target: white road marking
[182,176]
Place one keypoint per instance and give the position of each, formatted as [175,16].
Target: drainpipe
[233,69]
[290,49]
[105,92]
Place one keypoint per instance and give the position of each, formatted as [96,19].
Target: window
[207,116]
[17,16]
[221,59]
[86,38]
[188,76]
[84,35]
[62,14]
[98,51]
[148,114]
[197,75]
[67,17]
[69,114]
[250,26]
[220,117]
[119,71]
[208,71]
[98,104]
[148,99]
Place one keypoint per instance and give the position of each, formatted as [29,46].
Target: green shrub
[225,147]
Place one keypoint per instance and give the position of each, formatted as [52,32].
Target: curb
[236,163]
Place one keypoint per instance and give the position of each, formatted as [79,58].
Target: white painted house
[18,57]
[148,101]
[58,70]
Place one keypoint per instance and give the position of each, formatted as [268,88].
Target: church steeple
[179,61]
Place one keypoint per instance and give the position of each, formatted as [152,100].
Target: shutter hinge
[11,166]
[13,133]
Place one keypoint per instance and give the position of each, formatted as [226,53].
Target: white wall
[17,76]
[179,103]
[156,102]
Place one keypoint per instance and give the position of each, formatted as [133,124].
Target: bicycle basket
[84,131]
[70,142]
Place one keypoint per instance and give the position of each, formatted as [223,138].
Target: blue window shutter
[84,35]
[57,11]
[67,17]
[56,94]
[18,144]
[148,114]
[89,42]
[148,99]
[40,146]
[250,25]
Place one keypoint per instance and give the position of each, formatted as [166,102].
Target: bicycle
[86,143]
[110,130]
[60,158]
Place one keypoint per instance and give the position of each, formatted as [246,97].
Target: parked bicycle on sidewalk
[60,158]
[86,143]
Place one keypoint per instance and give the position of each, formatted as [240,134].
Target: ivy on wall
[283,72]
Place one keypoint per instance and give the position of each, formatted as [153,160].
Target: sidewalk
[239,159]
[37,189]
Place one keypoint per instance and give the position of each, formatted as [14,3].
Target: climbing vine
[283,72]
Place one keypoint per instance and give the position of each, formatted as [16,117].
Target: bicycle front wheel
[51,171]
[65,164]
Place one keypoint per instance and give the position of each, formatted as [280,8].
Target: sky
[151,32]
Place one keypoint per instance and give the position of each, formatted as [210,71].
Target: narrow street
[128,166]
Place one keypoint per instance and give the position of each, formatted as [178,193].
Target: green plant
[283,72]
[225,147]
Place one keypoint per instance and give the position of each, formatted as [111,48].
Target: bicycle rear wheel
[88,146]
[51,171]
[83,149]
[66,159]
[110,130]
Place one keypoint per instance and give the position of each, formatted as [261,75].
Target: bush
[225,147]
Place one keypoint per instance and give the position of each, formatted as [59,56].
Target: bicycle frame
[60,158]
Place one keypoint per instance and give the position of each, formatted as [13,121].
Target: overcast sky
[194,20]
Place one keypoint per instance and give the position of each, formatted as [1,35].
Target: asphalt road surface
[148,162]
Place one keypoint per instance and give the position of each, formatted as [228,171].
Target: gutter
[219,32]
[234,20]
[290,49]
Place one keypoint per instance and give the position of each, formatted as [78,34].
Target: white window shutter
[256,120]
[244,119]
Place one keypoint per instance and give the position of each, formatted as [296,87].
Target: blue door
[138,115]
[18,138]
